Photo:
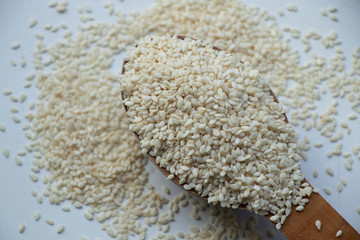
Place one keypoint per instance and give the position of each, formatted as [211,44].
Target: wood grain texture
[301,225]
[298,225]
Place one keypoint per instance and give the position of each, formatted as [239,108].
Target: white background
[17,206]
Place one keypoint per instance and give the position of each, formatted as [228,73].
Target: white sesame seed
[39,199]
[323,12]
[21,228]
[7,92]
[352,117]
[339,187]
[27,85]
[318,144]
[329,171]
[2,127]
[52,4]
[30,76]
[49,221]
[60,228]
[13,62]
[333,17]
[327,191]
[315,173]
[291,7]
[299,208]
[6,152]
[22,62]
[14,110]
[32,22]
[15,45]
[165,190]
[343,181]
[338,233]
[33,177]
[318,224]
[21,153]
[37,216]
[16,119]
[65,208]
[332,9]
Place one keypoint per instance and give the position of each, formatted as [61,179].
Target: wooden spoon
[298,225]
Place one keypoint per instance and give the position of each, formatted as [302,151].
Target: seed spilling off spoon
[211,123]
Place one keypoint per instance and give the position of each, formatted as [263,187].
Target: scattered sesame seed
[33,193]
[333,17]
[15,45]
[13,62]
[27,85]
[318,144]
[299,208]
[6,152]
[343,181]
[280,13]
[37,216]
[315,173]
[332,9]
[352,117]
[22,62]
[21,228]
[165,189]
[318,224]
[39,199]
[291,7]
[327,191]
[7,92]
[329,171]
[60,229]
[323,12]
[339,187]
[30,76]
[65,208]
[21,153]
[49,221]
[2,127]
[61,7]
[32,22]
[52,4]
[33,177]
[16,119]
[338,233]
[182,235]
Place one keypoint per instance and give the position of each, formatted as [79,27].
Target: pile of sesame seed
[247,32]
[212,122]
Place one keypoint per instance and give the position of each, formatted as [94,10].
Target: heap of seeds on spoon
[210,120]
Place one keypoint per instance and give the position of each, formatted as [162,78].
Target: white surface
[17,206]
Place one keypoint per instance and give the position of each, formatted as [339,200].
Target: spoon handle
[301,225]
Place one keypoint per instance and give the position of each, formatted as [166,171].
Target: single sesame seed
[60,229]
[32,22]
[21,228]
[327,191]
[318,224]
[6,152]
[329,171]
[338,233]
[37,216]
[49,221]
[15,45]
[2,127]
[7,92]
[315,173]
